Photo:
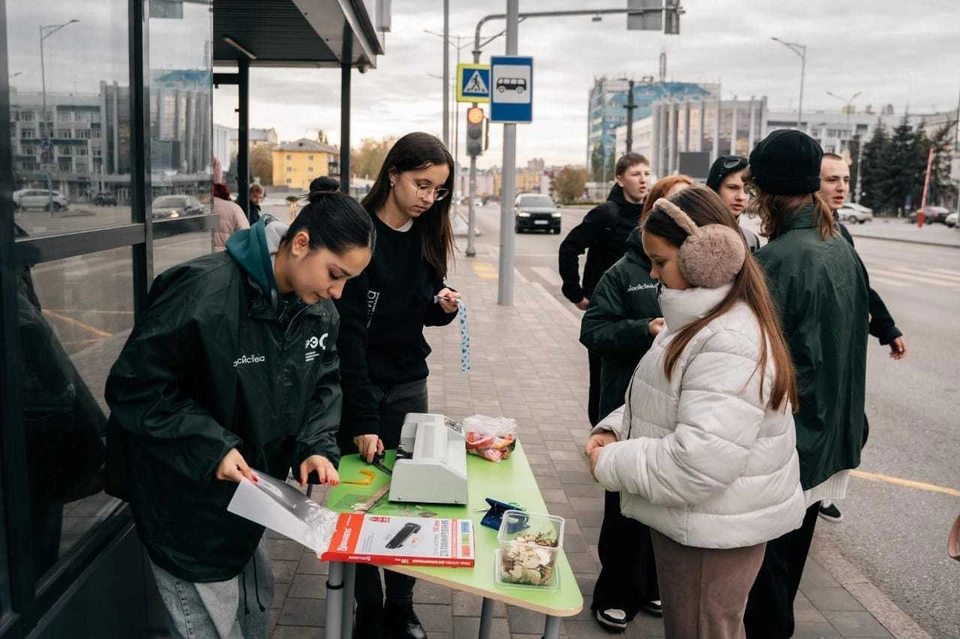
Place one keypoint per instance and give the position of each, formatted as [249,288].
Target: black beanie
[787,162]
[722,167]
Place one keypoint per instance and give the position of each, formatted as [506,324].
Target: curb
[895,620]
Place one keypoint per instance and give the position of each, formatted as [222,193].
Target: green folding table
[509,481]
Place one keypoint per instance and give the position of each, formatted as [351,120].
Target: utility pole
[630,107]
[508,192]
[446,73]
[45,133]
[800,50]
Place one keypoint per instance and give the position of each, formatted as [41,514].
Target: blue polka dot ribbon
[464,337]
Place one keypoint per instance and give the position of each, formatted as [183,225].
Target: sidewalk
[528,364]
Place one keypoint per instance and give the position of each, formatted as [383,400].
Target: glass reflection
[70,114]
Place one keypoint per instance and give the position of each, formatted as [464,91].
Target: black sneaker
[402,622]
[369,622]
[612,619]
[654,608]
[829,512]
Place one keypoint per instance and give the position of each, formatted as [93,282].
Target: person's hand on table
[322,466]
[369,446]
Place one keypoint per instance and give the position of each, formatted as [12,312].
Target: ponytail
[333,221]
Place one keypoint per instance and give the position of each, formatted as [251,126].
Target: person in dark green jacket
[820,287]
[620,324]
[231,367]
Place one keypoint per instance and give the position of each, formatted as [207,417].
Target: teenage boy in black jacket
[602,235]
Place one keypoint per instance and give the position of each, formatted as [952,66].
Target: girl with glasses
[382,349]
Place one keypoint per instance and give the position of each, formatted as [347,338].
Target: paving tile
[466,604]
[469,628]
[306,586]
[284,570]
[816,631]
[428,593]
[855,624]
[302,612]
[582,562]
[435,618]
[644,625]
[297,632]
[814,576]
[553,495]
[280,590]
[832,599]
[525,621]
[286,549]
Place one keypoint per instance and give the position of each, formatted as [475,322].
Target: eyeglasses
[731,163]
[423,191]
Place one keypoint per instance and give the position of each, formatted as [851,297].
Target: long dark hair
[413,152]
[333,221]
[750,287]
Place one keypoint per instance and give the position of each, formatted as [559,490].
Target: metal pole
[507,194]
[733,129]
[471,213]
[630,107]
[346,66]
[44,134]
[803,72]
[716,130]
[243,134]
[446,73]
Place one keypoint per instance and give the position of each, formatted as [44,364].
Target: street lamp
[45,32]
[800,50]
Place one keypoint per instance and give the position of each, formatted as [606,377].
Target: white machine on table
[431,464]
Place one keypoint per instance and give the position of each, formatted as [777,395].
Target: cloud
[892,55]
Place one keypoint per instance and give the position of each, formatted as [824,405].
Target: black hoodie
[383,312]
[616,324]
[603,236]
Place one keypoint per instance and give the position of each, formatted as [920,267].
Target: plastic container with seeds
[529,546]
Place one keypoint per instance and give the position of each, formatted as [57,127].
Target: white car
[951,220]
[39,199]
[855,213]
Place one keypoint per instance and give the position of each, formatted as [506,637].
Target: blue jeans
[238,608]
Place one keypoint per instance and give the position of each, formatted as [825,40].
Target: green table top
[510,481]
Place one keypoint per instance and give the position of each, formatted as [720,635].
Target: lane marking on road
[484,271]
[89,310]
[77,323]
[883,280]
[919,278]
[549,275]
[942,274]
[909,483]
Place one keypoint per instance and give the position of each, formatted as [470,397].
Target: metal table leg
[334,606]
[346,621]
[486,618]
[551,629]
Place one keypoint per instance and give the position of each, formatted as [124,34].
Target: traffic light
[475,131]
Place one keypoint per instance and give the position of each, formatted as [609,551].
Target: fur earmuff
[712,255]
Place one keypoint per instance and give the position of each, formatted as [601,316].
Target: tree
[367,160]
[872,170]
[261,164]
[941,189]
[569,184]
[599,157]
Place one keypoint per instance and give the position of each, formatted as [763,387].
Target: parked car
[931,215]
[105,198]
[167,207]
[536,212]
[43,199]
[855,213]
[951,220]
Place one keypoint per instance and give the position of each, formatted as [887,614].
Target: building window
[289,169]
[309,169]
[28,133]
[289,157]
[310,158]
[289,181]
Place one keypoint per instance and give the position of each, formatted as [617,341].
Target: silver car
[42,199]
[855,213]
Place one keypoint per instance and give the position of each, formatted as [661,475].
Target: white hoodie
[703,458]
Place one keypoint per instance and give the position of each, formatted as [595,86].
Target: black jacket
[217,361]
[603,236]
[254,213]
[383,312]
[616,322]
[882,325]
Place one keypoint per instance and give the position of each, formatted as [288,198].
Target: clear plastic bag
[492,438]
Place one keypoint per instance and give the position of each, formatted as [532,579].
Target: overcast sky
[907,54]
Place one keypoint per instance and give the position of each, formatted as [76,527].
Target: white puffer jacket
[703,458]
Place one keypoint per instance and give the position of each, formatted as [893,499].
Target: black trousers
[769,612]
[593,397]
[395,402]
[628,576]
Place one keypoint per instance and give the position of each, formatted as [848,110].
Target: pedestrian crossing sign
[473,83]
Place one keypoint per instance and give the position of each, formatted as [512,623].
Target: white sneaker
[612,619]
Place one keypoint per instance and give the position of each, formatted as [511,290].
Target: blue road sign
[511,89]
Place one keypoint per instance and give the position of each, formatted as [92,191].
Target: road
[894,533]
